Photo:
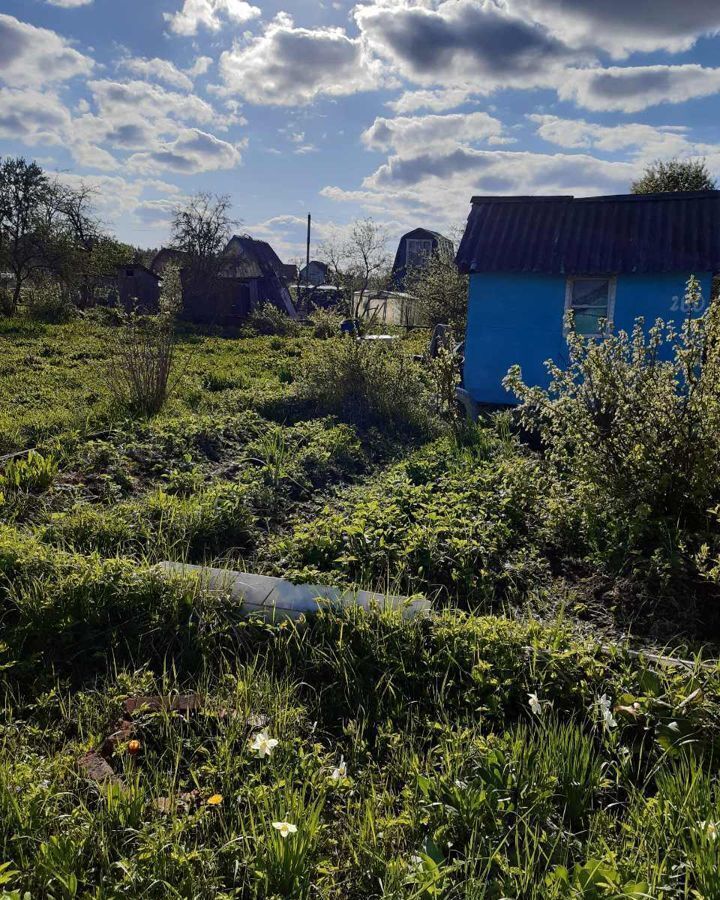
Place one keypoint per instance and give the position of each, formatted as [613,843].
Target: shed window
[592,301]
[130,273]
[417,252]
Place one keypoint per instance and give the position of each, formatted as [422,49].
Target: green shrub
[45,301]
[369,385]
[143,352]
[630,429]
[325,323]
[269,320]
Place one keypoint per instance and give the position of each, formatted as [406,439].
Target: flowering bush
[630,427]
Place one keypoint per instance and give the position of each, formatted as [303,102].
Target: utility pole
[307,261]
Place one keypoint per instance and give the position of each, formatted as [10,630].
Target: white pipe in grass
[276,599]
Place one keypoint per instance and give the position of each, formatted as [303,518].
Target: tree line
[49,229]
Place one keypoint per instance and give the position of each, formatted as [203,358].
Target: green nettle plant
[631,425]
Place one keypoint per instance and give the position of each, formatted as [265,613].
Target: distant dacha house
[249,273]
[606,259]
[314,274]
[138,286]
[415,249]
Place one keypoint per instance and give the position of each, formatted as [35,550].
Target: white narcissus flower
[535,704]
[609,719]
[285,828]
[263,745]
[340,771]
[710,830]
[605,706]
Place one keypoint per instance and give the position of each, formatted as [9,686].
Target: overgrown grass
[408,760]
[54,377]
[450,756]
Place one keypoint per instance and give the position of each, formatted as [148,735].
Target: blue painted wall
[518,318]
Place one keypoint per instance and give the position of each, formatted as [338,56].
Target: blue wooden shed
[531,259]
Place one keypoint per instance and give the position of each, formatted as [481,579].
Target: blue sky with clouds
[399,109]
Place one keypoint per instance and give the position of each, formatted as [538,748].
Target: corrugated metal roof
[640,233]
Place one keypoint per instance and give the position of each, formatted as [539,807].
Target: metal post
[307,262]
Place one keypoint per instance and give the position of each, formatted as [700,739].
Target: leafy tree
[24,192]
[76,250]
[49,230]
[442,292]
[667,176]
[85,276]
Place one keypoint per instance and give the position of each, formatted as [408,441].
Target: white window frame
[426,243]
[612,293]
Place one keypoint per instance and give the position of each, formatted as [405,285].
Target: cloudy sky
[399,109]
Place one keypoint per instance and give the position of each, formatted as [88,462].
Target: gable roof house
[314,274]
[169,256]
[250,274]
[257,263]
[414,250]
[607,259]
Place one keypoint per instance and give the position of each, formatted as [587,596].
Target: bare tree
[201,229]
[359,261]
[77,207]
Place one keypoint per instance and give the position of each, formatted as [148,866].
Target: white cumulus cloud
[626,26]
[287,65]
[209,14]
[159,70]
[633,88]
[646,141]
[406,134]
[462,43]
[193,151]
[32,57]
